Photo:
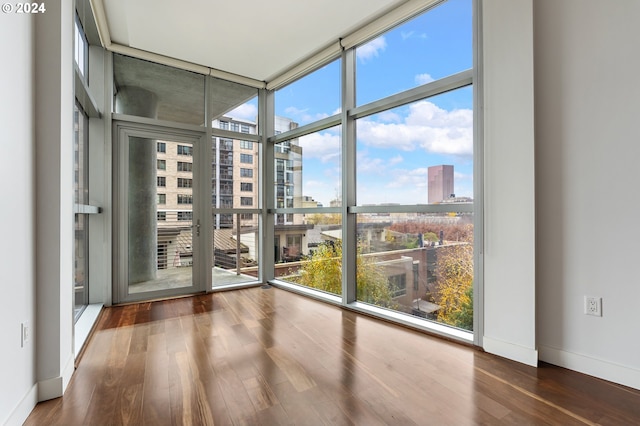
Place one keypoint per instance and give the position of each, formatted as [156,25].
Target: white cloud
[379,166]
[324,146]
[462,176]
[412,34]
[396,160]
[367,164]
[416,178]
[427,126]
[302,116]
[389,117]
[398,186]
[424,78]
[244,112]
[405,35]
[371,49]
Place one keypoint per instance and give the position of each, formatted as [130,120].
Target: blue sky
[394,148]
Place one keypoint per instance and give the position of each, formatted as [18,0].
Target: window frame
[349,210]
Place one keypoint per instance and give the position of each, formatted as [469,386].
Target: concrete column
[143,227]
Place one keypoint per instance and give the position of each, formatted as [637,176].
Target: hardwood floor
[268,357]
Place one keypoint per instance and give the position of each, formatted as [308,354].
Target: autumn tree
[324,219]
[461,231]
[323,271]
[454,284]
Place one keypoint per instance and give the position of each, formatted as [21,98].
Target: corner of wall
[511,351]
[509,284]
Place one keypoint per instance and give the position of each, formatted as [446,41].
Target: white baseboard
[601,369]
[510,351]
[55,387]
[24,408]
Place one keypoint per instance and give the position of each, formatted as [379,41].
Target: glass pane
[151,90]
[431,46]
[233,102]
[81,264]
[308,251]
[401,152]
[418,264]
[81,196]
[235,170]
[308,170]
[313,97]
[160,215]
[80,156]
[236,253]
[81,48]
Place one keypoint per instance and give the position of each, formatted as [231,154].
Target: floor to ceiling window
[81,178]
[354,181]
[204,229]
[391,227]
[81,198]
[307,181]
[236,156]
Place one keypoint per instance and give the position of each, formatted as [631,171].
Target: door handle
[198,228]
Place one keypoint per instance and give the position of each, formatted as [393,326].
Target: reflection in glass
[418,264]
[435,44]
[397,148]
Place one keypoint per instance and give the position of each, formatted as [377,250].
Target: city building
[440,183]
[540,163]
[235,171]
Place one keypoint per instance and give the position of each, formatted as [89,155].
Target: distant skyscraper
[440,183]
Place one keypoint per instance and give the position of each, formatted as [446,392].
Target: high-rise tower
[440,183]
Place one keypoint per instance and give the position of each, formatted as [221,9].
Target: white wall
[17,249]
[37,182]
[54,198]
[588,200]
[509,194]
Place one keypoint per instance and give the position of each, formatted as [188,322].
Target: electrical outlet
[25,333]
[593,306]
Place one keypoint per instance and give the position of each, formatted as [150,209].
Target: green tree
[323,271]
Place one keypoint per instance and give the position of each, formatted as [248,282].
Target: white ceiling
[259,39]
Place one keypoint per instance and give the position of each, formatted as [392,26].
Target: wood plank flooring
[270,357]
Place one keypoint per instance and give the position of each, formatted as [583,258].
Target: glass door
[158,226]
